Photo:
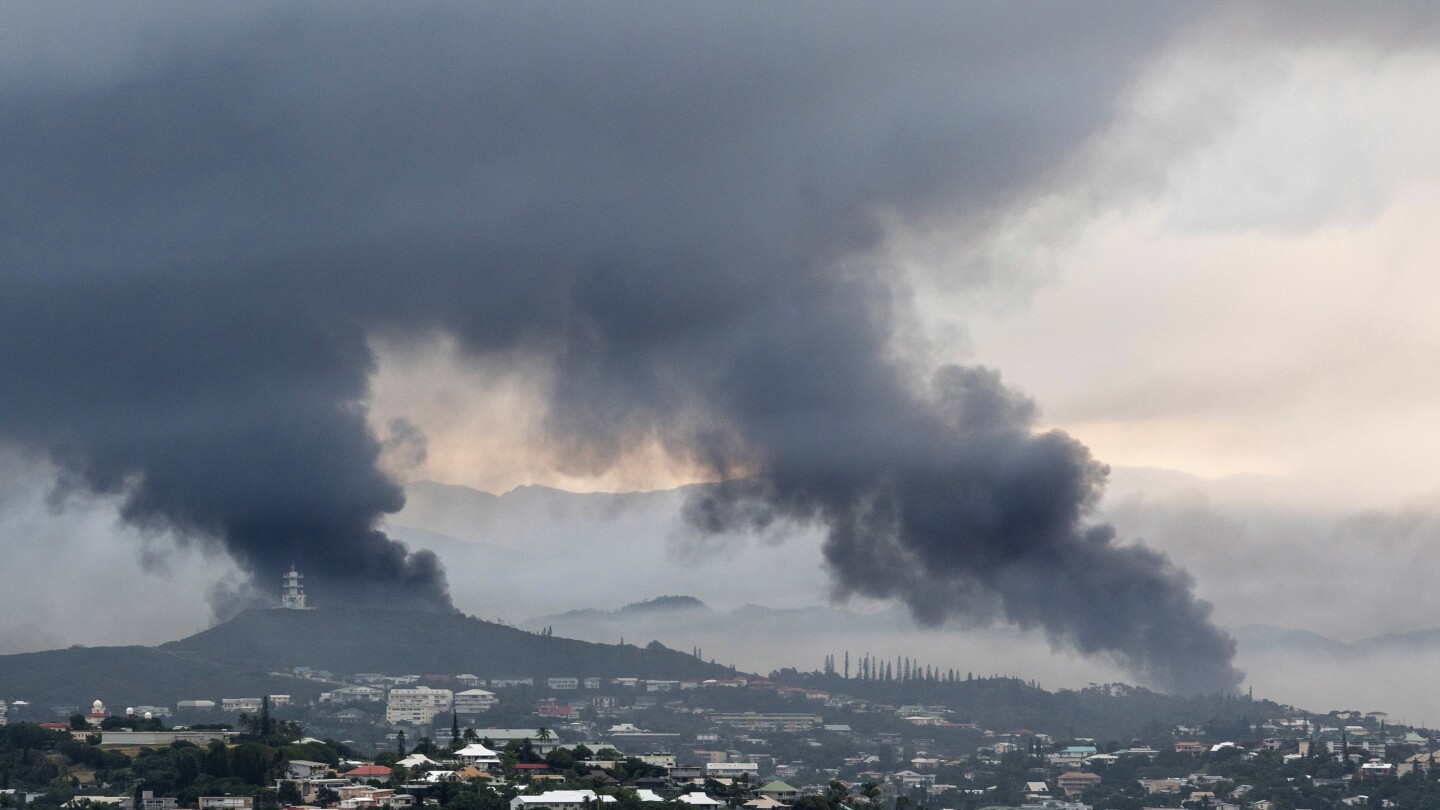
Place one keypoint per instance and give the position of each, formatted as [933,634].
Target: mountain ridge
[243,655]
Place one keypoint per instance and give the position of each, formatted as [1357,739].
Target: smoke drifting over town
[672,210]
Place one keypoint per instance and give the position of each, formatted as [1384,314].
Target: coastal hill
[399,642]
[237,658]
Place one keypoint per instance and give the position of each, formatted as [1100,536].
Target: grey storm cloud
[668,203]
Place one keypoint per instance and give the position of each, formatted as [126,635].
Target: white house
[418,761]
[559,800]
[353,694]
[504,736]
[304,768]
[732,769]
[474,701]
[477,754]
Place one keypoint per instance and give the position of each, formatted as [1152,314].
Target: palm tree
[544,734]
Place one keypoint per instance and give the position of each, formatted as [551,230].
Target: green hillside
[234,659]
[127,676]
[399,642]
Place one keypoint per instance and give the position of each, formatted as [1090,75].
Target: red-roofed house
[365,773]
[1076,782]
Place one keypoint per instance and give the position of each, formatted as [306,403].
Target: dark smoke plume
[669,205]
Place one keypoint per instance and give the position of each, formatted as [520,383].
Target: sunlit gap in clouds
[484,422]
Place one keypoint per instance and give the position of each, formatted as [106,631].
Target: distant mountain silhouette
[1268,638]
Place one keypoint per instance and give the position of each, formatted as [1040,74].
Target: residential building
[1072,755]
[1161,785]
[416,705]
[562,683]
[502,737]
[159,739]
[479,755]
[226,803]
[732,769]
[310,788]
[353,694]
[304,769]
[149,801]
[474,701]
[1377,770]
[1076,782]
[753,721]
[560,800]
[780,791]
[365,773]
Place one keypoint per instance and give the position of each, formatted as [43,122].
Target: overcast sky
[1221,266]
[1235,277]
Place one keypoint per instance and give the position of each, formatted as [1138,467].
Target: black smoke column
[674,209]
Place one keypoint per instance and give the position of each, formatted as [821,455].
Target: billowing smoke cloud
[964,510]
[669,207]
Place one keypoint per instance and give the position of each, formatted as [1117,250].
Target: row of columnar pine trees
[901,669]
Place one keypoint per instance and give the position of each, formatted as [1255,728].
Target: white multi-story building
[474,701]
[240,704]
[563,683]
[417,705]
[4,713]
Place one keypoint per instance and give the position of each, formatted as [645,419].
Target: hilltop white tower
[292,594]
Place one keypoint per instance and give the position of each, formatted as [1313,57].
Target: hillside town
[459,742]
[883,735]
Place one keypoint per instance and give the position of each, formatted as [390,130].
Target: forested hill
[1110,711]
[234,659]
[349,640]
[129,676]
